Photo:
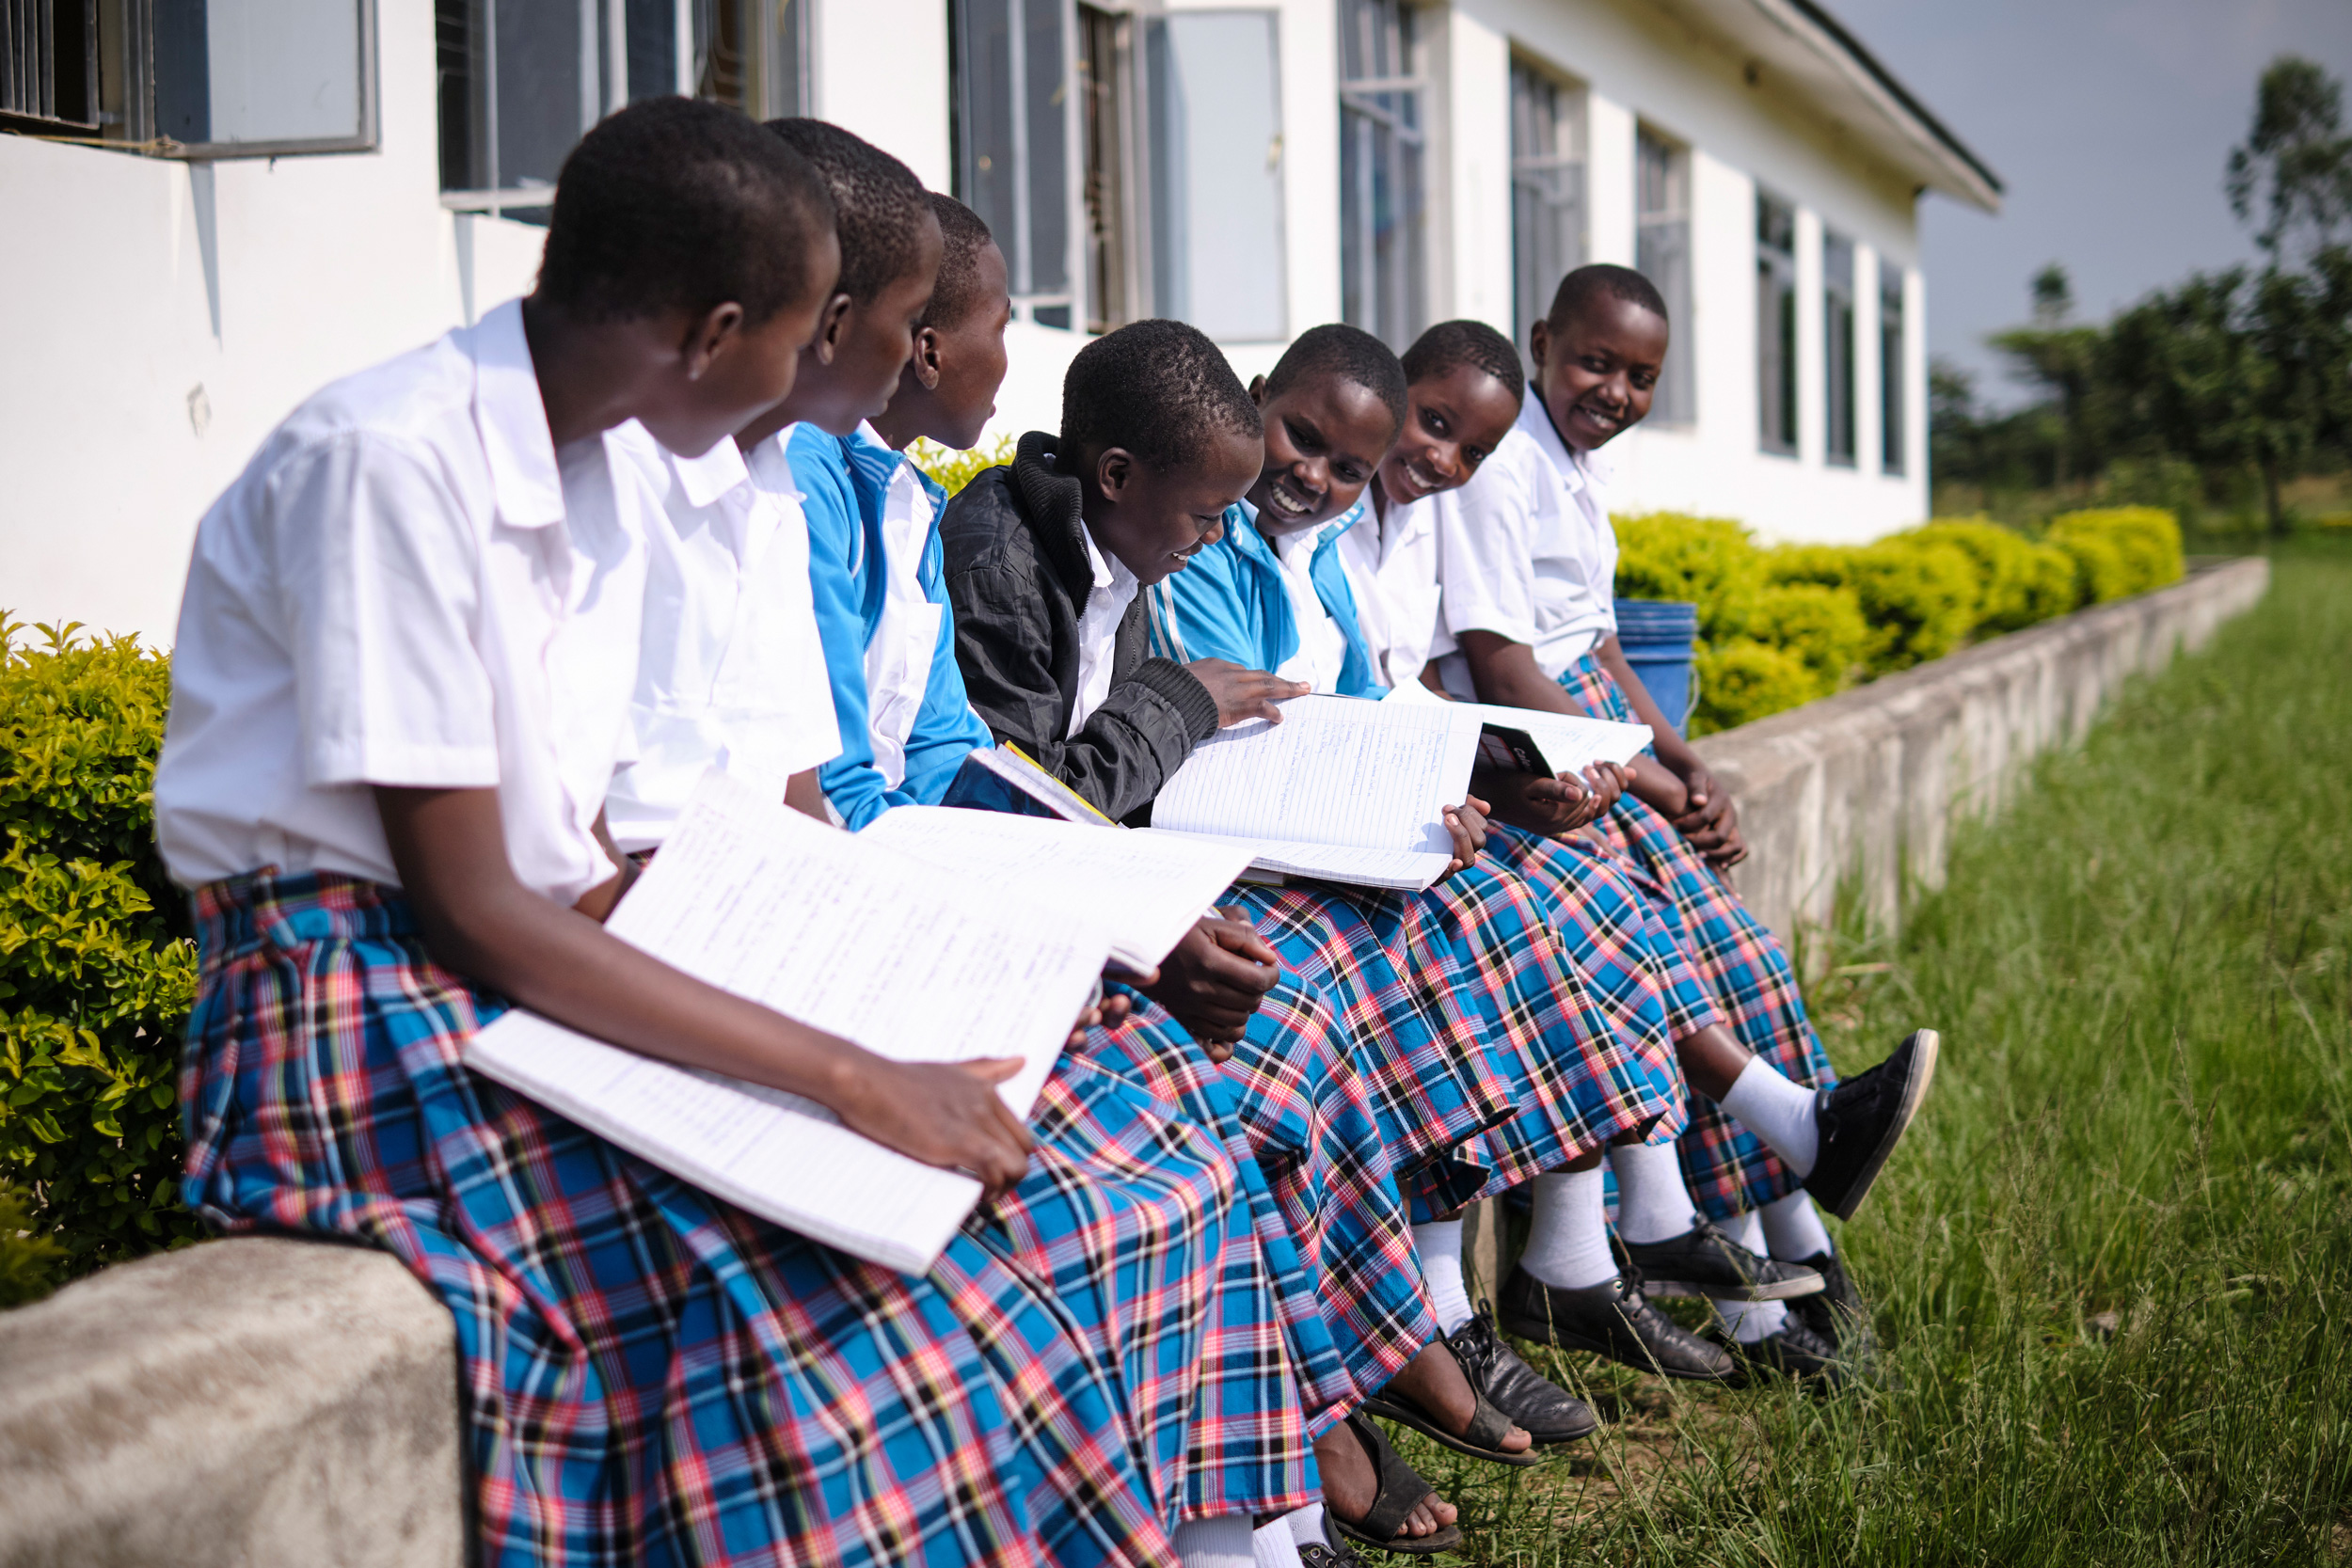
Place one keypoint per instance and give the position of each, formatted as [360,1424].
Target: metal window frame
[1780,262]
[368,137]
[1834,295]
[1019,256]
[1527,175]
[1681,349]
[34,68]
[1894,383]
[1359,113]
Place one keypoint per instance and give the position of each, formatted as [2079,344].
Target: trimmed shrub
[951,470]
[1919,595]
[96,971]
[2146,544]
[28,1260]
[1709,561]
[1822,625]
[1744,679]
[2019,582]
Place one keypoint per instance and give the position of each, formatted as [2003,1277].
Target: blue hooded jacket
[1230,603]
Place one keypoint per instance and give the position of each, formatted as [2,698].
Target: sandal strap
[1400,1487]
[1489,1426]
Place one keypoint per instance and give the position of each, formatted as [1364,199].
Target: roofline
[1895,90]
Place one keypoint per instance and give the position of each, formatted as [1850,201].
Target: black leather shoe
[1703,1261]
[1862,1119]
[1613,1319]
[1791,1350]
[1839,1315]
[1549,1413]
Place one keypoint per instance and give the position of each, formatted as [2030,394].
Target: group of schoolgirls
[460,641]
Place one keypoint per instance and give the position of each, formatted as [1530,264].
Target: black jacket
[1017,575]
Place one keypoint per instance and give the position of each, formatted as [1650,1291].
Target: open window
[201,79]
[521,80]
[1216,115]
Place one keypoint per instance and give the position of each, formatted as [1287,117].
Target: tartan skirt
[1737,957]
[651,1376]
[1576,1080]
[1309,1120]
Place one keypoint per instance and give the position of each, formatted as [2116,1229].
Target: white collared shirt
[407,587]
[1098,630]
[1321,652]
[1392,565]
[1525,550]
[730,671]
[905,640]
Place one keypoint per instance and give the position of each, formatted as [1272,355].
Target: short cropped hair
[1347,353]
[1159,389]
[877,202]
[1450,344]
[673,204]
[1602,280]
[958,291]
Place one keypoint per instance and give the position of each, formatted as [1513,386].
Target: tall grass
[2113,1262]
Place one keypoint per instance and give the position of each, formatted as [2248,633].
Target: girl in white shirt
[403,681]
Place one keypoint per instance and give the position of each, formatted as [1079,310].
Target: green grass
[2113,1262]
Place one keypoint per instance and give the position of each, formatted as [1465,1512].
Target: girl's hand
[1215,979]
[945,1113]
[1709,820]
[1109,1013]
[1467,823]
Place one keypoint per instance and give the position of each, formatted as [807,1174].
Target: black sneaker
[1791,1350]
[1860,1120]
[1703,1261]
[1613,1319]
[1549,1413]
[1839,1315]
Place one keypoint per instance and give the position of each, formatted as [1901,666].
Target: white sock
[1306,1527]
[1568,1246]
[1794,1229]
[1223,1542]
[1652,1202]
[1776,1111]
[1272,1546]
[1439,1243]
[1750,1321]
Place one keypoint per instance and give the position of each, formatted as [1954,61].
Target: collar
[1578,469]
[511,418]
[1053,503]
[769,466]
[1253,544]
[714,474]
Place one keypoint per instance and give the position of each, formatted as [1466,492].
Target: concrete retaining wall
[266,1402]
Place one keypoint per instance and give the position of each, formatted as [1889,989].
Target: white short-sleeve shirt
[731,671]
[407,586]
[1114,590]
[1321,652]
[1525,550]
[1391,567]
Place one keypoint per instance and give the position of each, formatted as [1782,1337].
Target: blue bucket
[1657,635]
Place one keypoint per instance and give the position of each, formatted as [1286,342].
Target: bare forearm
[1671,749]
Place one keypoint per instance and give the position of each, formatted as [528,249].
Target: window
[1114,283]
[1216,113]
[521,80]
[1546,190]
[1013,131]
[1891,368]
[1662,253]
[1383,185]
[1776,324]
[193,78]
[1837,363]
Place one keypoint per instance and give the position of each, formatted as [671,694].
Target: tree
[2064,362]
[2297,157]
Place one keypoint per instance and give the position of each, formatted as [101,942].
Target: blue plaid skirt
[651,1376]
[1737,961]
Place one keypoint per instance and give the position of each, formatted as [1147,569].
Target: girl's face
[1598,372]
[1325,436]
[1452,421]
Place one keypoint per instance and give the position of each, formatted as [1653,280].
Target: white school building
[208,208]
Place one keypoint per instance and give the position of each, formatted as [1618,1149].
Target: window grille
[1546,190]
[1662,253]
[1383,180]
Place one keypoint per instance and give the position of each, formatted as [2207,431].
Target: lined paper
[853,938]
[1141,891]
[1335,770]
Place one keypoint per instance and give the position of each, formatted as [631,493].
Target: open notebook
[846,935]
[1532,741]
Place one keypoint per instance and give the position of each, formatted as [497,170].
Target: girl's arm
[1708,818]
[449,849]
[1506,672]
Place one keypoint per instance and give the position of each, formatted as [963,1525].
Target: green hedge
[97,970]
[1781,625]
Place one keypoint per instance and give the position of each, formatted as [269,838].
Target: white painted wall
[132,288]
[128,284]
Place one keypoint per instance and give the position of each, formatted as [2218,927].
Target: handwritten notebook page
[848,937]
[1141,891]
[1335,770]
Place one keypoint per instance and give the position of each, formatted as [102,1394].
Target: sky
[2109,122]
